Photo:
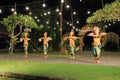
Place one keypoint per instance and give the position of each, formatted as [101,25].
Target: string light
[88,12]
[44,5]
[38,20]
[54,28]
[67,22]
[80,0]
[30,13]
[57,10]
[27,8]
[67,6]
[45,14]
[57,22]
[47,22]
[15,12]
[73,27]
[77,22]
[48,12]
[109,24]
[35,17]
[60,13]
[62,1]
[12,9]
[106,26]
[74,13]
[0,11]
[77,29]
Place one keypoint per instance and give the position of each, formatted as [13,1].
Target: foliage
[12,21]
[17,22]
[110,12]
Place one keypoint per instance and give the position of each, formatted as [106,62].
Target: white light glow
[57,10]
[30,13]
[67,6]
[74,13]
[12,9]
[15,12]
[57,22]
[48,12]
[27,8]
[0,11]
[80,0]
[44,5]
[35,17]
[62,1]
[77,22]
[45,14]
[38,20]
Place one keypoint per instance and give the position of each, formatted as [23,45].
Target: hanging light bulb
[45,14]
[48,12]
[67,22]
[38,20]
[67,6]
[60,13]
[57,22]
[30,13]
[35,17]
[57,10]
[80,0]
[0,11]
[77,22]
[27,8]
[15,12]
[74,13]
[47,22]
[12,9]
[62,1]
[44,5]
[88,12]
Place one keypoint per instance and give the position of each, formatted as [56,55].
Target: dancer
[25,39]
[45,43]
[96,43]
[72,39]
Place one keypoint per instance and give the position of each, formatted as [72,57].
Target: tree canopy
[12,21]
[17,21]
[110,12]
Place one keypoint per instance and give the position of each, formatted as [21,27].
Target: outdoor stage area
[59,66]
[83,57]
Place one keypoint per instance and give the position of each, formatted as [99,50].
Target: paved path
[85,57]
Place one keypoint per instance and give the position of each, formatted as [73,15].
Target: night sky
[80,7]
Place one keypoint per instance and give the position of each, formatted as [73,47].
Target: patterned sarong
[96,51]
[45,47]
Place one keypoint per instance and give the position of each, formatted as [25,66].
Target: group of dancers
[96,43]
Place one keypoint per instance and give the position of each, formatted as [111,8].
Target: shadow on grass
[16,76]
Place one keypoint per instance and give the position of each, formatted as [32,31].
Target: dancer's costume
[72,46]
[96,47]
[45,44]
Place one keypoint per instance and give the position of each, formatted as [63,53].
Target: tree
[110,12]
[17,21]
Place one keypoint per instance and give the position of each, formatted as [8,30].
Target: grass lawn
[72,71]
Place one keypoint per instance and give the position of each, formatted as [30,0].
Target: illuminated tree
[110,12]
[17,22]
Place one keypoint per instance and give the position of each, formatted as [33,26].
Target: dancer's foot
[98,61]
[26,56]
[72,57]
[45,56]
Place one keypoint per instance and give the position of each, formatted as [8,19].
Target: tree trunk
[11,42]
[11,47]
[61,8]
